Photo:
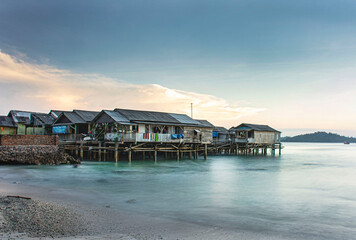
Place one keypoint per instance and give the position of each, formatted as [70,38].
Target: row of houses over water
[132,127]
[122,124]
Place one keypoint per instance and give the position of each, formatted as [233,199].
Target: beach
[47,216]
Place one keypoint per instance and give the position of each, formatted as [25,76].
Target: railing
[140,137]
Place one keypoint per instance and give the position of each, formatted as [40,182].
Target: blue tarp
[177,136]
[59,129]
[215,134]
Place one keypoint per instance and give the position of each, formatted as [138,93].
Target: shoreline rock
[35,155]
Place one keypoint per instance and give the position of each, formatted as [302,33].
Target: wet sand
[66,216]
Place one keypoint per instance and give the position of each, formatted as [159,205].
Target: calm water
[309,192]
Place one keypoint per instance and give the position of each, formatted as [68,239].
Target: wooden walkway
[115,151]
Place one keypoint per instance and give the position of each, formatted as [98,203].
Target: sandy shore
[51,214]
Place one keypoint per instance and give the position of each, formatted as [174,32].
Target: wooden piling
[99,152]
[116,152]
[81,152]
[205,151]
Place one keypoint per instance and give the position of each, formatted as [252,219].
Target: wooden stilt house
[149,126]
[221,135]
[71,125]
[254,133]
[112,126]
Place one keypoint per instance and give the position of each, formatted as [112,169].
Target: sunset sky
[288,64]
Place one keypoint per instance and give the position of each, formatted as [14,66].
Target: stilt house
[70,125]
[254,133]
[149,126]
[221,135]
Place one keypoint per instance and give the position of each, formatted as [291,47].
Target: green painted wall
[21,129]
[7,131]
[34,131]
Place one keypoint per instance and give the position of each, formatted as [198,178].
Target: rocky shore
[21,218]
[35,155]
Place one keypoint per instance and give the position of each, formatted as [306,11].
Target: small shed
[255,133]
[7,126]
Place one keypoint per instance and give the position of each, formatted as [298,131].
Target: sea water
[308,192]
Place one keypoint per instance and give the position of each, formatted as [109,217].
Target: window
[178,130]
[147,128]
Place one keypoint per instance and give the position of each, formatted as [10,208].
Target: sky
[288,64]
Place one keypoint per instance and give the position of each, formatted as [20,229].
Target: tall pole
[191,110]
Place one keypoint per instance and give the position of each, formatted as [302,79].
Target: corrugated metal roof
[147,116]
[257,127]
[43,118]
[55,113]
[88,116]
[117,117]
[6,121]
[185,119]
[72,117]
[220,130]
[205,123]
[20,116]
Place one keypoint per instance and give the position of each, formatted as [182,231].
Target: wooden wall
[205,133]
[264,137]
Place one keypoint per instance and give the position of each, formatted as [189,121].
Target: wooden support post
[273,150]
[76,151]
[81,152]
[130,155]
[155,155]
[190,155]
[280,149]
[104,152]
[177,155]
[143,155]
[205,151]
[165,155]
[116,152]
[99,152]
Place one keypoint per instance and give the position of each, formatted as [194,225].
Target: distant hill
[322,137]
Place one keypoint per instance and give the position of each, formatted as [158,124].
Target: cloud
[39,87]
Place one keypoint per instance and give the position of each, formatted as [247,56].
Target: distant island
[321,137]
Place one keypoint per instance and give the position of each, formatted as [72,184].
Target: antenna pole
[191,110]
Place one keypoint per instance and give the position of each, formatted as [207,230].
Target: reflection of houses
[148,126]
[69,125]
[7,126]
[256,134]
[220,135]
